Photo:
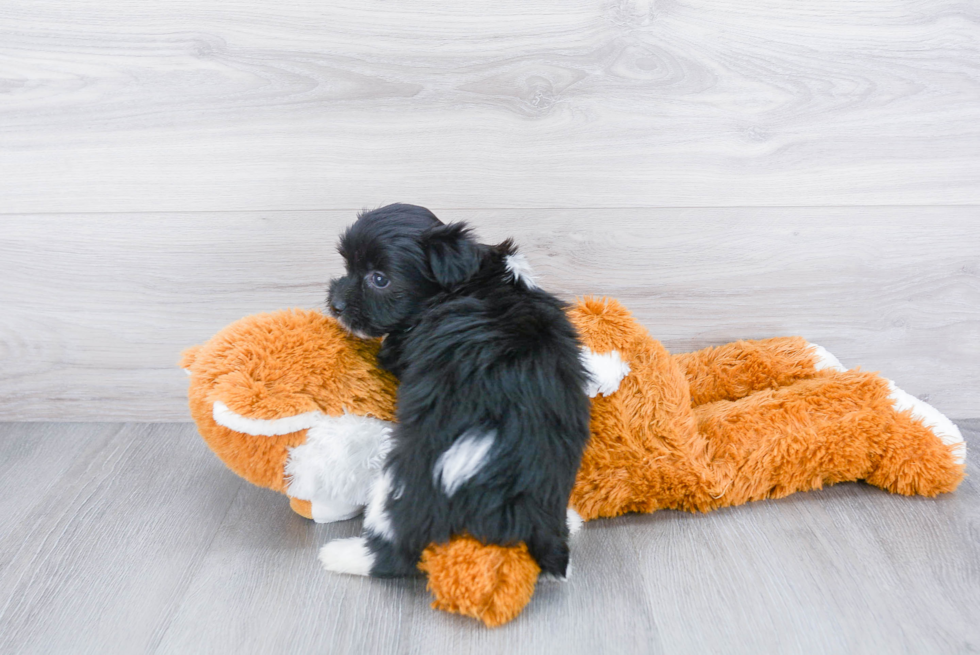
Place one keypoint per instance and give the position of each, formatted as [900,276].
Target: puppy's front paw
[351,556]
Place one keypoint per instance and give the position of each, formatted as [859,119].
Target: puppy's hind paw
[351,556]
[551,577]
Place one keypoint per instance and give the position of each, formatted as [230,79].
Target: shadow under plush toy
[291,402]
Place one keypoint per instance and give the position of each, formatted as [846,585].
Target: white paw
[823,359]
[350,556]
[932,418]
[606,371]
[548,577]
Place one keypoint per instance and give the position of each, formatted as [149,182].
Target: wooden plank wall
[728,168]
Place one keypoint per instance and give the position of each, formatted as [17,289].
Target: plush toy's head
[270,377]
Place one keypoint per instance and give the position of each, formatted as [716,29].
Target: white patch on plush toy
[327,509]
[574,521]
[606,371]
[335,468]
[350,556]
[463,459]
[932,418]
[823,359]
[376,520]
[258,427]
[518,266]
[338,464]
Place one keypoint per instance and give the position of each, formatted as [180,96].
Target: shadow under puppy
[492,411]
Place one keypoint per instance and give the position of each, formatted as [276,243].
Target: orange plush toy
[290,401]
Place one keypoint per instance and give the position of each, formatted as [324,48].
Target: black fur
[474,350]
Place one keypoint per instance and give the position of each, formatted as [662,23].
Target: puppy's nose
[338,305]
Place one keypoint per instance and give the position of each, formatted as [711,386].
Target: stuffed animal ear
[454,256]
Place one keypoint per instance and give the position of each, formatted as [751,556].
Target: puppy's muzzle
[337,296]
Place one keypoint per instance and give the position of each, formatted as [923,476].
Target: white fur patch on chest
[606,371]
[463,459]
[520,269]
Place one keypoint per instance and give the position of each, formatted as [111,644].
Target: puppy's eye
[378,280]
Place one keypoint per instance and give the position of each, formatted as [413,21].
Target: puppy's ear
[454,256]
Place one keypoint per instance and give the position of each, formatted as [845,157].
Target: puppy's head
[397,257]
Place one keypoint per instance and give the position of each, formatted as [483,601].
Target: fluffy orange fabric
[737,369]
[272,365]
[302,507]
[698,431]
[487,582]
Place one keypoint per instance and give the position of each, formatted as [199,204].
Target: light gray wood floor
[133,538]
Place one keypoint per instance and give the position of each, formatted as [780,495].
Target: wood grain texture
[104,526]
[198,105]
[98,307]
[135,538]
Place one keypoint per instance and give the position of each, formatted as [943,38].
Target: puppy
[492,411]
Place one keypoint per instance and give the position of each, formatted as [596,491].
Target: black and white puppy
[492,411]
